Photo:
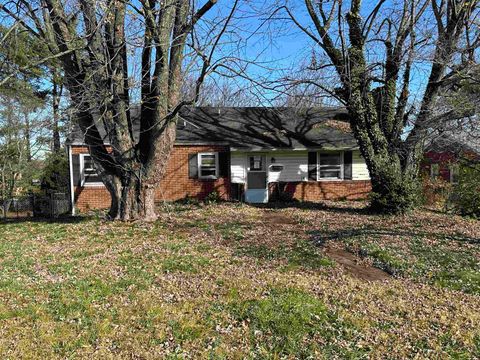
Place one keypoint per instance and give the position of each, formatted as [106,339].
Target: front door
[257,191]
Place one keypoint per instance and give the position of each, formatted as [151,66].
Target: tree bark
[56,94]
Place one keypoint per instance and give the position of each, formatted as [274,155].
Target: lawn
[232,281]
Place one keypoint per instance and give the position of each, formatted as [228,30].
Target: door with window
[257,191]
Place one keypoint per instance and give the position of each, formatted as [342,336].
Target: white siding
[295,166]
[237,168]
[359,168]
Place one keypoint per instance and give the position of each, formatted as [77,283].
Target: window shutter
[223,164]
[312,165]
[347,165]
[193,166]
[76,170]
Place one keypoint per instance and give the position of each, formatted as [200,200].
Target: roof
[256,128]
[456,138]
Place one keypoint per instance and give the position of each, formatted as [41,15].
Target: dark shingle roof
[258,128]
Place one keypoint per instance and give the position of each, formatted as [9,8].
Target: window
[257,163]
[208,165]
[454,170]
[331,166]
[89,166]
[89,174]
[434,171]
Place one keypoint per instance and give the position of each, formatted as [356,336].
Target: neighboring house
[444,153]
[247,154]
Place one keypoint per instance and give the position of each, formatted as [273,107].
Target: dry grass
[235,281]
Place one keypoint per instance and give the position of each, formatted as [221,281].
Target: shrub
[213,198]
[55,174]
[465,198]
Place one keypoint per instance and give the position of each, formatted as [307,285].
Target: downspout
[70,166]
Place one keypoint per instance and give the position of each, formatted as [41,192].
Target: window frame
[263,156]
[451,168]
[199,166]
[319,178]
[83,183]
[432,166]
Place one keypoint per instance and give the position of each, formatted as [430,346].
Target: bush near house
[55,174]
[436,192]
[466,193]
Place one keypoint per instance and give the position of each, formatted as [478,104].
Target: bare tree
[57,90]
[97,42]
[392,62]
[220,93]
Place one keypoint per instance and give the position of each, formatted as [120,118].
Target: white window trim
[341,178]
[82,174]
[199,162]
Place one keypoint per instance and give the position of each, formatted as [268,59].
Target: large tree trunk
[97,78]
[133,193]
[394,189]
[395,184]
[132,199]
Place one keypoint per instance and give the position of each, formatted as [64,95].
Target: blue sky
[284,48]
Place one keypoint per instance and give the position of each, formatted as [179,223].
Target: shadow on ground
[320,237]
[306,205]
[59,220]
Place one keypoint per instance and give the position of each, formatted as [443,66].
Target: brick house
[247,154]
[444,153]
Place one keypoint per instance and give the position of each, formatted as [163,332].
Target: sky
[279,47]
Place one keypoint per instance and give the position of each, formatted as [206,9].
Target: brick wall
[91,197]
[177,185]
[322,190]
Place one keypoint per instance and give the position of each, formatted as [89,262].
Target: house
[446,150]
[247,153]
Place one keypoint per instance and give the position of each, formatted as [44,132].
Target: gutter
[249,149]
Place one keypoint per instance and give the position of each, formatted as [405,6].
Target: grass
[292,322]
[301,254]
[231,281]
[442,260]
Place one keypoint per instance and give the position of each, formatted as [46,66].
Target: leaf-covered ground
[236,281]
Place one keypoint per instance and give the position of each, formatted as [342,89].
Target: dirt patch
[351,265]
[277,218]
[344,258]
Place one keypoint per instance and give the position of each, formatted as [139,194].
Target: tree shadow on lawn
[309,205]
[46,220]
[320,237]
